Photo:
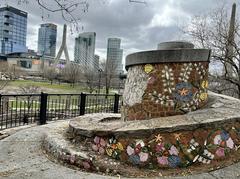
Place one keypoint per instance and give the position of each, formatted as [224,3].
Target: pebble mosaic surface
[158,90]
[199,149]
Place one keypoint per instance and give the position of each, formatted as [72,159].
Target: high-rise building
[114,54]
[47,37]
[13,30]
[96,62]
[84,49]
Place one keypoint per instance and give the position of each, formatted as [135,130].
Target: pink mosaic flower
[143,156]
[220,152]
[162,160]
[130,150]
[86,165]
[160,147]
[99,145]
[217,140]
[173,150]
[230,143]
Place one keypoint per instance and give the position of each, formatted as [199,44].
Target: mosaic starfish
[158,138]
[183,92]
[177,136]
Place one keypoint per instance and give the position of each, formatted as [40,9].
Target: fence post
[82,104]
[116,103]
[43,108]
[1,105]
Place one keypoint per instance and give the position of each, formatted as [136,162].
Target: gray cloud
[141,27]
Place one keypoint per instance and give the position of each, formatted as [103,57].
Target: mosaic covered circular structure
[169,81]
[198,141]
[170,124]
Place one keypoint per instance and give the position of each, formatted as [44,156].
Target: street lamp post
[99,81]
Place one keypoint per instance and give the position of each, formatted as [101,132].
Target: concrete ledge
[219,111]
[168,56]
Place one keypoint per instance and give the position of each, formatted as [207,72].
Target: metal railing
[21,109]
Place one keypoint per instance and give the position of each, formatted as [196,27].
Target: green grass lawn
[55,88]
[24,104]
[48,87]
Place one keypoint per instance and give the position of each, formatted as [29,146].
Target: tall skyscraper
[96,62]
[47,37]
[13,30]
[84,49]
[114,54]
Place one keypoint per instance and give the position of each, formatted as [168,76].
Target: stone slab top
[168,56]
[219,110]
[175,45]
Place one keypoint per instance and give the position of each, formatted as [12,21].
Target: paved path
[21,158]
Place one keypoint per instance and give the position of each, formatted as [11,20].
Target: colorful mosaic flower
[86,165]
[148,68]
[174,161]
[203,96]
[220,152]
[160,147]
[99,145]
[114,148]
[204,84]
[167,154]
[163,160]
[137,152]
[224,140]
[173,150]
[183,92]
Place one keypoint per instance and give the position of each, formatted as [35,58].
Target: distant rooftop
[49,25]
[14,10]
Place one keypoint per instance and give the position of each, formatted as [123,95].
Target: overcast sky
[141,27]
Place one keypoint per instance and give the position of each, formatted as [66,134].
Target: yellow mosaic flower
[119,146]
[203,96]
[109,151]
[204,84]
[148,68]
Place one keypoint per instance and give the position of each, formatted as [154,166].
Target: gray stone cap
[168,56]
[220,109]
[175,45]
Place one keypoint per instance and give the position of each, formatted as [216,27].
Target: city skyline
[141,31]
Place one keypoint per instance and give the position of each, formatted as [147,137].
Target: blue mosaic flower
[224,135]
[183,92]
[135,159]
[174,161]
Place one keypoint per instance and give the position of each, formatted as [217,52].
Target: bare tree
[212,31]
[29,99]
[90,76]
[14,71]
[29,89]
[72,73]
[50,73]
[4,79]
[109,73]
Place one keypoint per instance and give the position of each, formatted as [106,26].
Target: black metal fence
[17,110]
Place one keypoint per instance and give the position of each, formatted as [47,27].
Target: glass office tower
[47,38]
[13,30]
[114,54]
[84,49]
